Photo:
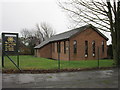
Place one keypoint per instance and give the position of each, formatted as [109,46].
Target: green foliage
[31,62]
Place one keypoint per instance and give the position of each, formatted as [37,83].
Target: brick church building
[77,44]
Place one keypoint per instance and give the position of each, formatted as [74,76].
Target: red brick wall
[50,50]
[45,51]
[63,56]
[88,35]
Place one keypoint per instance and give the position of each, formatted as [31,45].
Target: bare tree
[25,33]
[48,30]
[29,39]
[104,14]
[33,37]
[44,31]
[39,33]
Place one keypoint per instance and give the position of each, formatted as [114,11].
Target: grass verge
[33,63]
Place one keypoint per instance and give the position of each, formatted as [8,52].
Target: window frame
[75,46]
[93,48]
[86,48]
[103,46]
[64,47]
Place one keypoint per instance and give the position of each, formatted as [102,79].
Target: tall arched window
[103,46]
[75,46]
[64,47]
[86,48]
[93,48]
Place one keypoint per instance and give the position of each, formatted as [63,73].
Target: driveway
[81,79]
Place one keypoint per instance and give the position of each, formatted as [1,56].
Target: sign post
[10,47]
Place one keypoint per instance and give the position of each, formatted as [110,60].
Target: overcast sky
[18,14]
[25,14]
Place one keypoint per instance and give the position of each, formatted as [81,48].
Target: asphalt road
[81,79]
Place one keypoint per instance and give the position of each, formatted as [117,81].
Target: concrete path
[82,79]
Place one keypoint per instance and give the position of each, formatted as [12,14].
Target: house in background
[77,44]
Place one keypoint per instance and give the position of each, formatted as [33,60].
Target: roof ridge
[57,37]
[73,29]
[67,35]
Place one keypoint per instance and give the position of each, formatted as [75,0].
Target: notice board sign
[10,43]
[10,47]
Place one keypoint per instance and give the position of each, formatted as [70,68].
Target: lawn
[31,62]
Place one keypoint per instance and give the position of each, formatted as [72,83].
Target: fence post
[58,61]
[58,48]
[98,59]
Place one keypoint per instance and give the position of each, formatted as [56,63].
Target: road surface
[81,79]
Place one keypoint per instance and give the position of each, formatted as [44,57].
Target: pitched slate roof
[67,35]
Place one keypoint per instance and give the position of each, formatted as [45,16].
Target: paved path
[82,79]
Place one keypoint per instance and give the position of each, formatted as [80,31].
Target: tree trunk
[118,51]
[116,46]
[115,33]
[115,56]
[119,32]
